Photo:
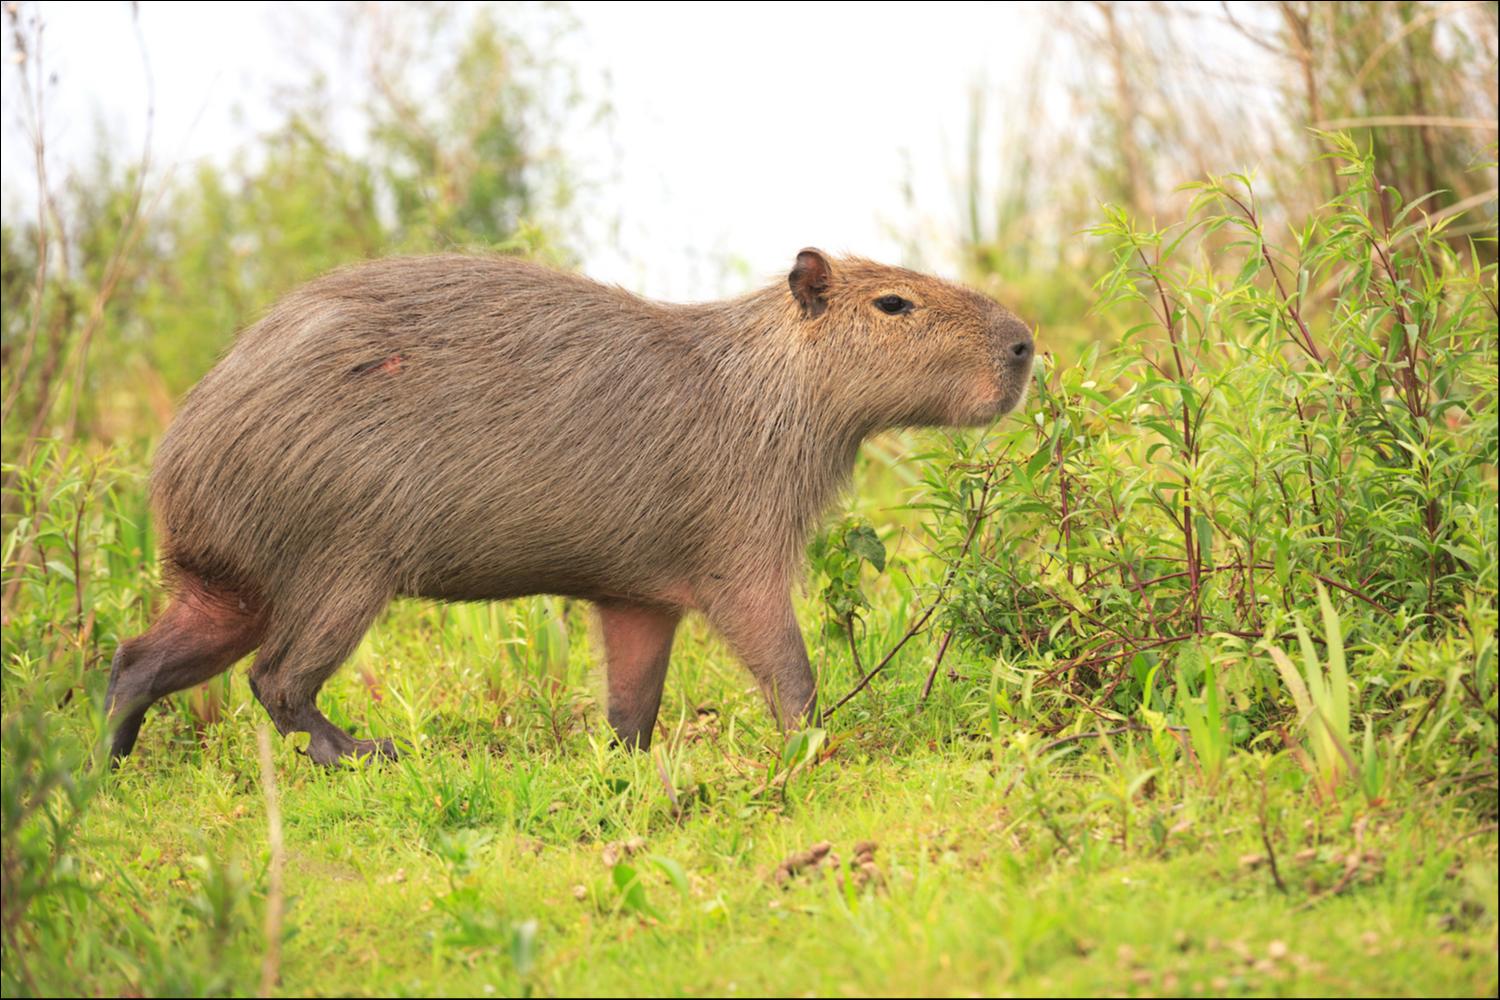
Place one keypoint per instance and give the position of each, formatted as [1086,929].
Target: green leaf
[1038,462]
[802,747]
[1204,529]
[673,871]
[864,543]
[632,893]
[1338,674]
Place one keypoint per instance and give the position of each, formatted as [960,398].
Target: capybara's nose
[1018,345]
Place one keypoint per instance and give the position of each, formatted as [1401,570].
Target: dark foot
[633,738]
[330,746]
[127,726]
[327,745]
[126,700]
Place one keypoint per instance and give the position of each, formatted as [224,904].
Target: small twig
[1423,121]
[916,626]
[782,777]
[1265,839]
[1133,727]
[1353,865]
[33,118]
[75,549]
[1478,831]
[666,781]
[1287,301]
[1415,24]
[853,646]
[1328,581]
[1250,35]
[270,968]
[936,663]
[1041,807]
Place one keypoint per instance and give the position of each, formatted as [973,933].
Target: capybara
[476,427]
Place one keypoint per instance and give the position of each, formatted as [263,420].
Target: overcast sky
[740,133]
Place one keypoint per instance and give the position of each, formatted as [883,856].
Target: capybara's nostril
[1014,342]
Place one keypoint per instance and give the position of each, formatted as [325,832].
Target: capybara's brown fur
[479,428]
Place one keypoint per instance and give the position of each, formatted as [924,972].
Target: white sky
[740,133]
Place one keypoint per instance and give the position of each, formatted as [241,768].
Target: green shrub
[1276,419]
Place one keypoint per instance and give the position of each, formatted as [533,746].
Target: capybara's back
[469,427]
[458,427]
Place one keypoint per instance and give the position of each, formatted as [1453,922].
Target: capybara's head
[917,349]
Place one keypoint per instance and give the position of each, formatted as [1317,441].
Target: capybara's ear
[809,281]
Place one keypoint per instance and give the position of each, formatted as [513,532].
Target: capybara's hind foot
[122,740]
[330,746]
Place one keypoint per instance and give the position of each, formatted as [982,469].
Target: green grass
[1217,714]
[477,864]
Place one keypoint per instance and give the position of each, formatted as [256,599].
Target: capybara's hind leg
[637,646]
[201,634]
[300,654]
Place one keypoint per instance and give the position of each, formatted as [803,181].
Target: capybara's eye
[893,305]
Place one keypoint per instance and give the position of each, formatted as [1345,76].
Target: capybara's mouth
[989,409]
[1007,398]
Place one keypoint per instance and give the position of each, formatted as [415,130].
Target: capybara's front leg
[760,626]
[637,647]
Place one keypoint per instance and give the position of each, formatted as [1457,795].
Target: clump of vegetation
[1282,419]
